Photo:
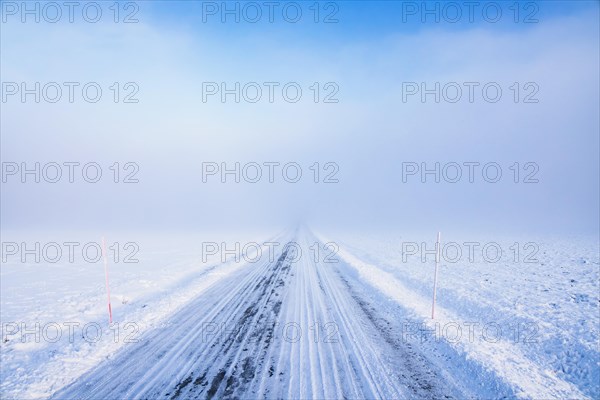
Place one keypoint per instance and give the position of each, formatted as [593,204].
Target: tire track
[162,357]
[237,360]
[338,348]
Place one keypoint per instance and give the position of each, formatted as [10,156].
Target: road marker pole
[437,263]
[106,275]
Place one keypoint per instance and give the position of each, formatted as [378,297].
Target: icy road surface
[290,327]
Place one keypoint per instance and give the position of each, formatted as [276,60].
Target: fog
[173,138]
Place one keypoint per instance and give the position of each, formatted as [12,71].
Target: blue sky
[359,20]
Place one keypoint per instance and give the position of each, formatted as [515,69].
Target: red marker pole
[437,263]
[106,275]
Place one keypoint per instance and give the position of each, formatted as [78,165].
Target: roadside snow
[534,324]
[54,315]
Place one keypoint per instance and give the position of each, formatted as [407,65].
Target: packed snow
[304,315]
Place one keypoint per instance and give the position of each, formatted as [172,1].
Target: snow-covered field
[351,319]
[66,298]
[531,317]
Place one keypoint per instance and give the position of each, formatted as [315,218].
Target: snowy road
[283,328]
